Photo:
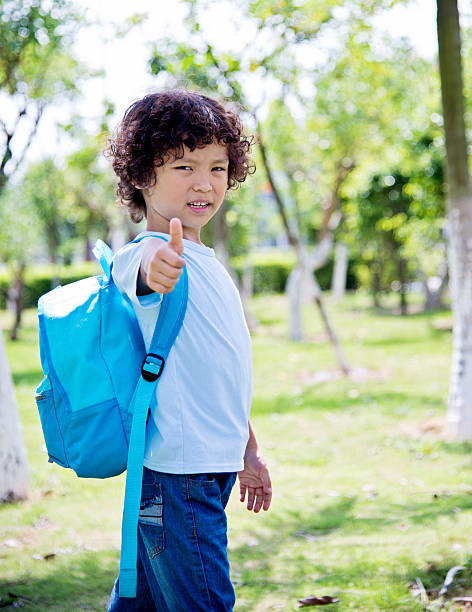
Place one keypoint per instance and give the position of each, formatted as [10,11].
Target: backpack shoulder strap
[104,255]
[169,323]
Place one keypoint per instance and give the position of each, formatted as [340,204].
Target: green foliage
[19,236]
[61,208]
[32,36]
[42,278]
[396,224]
[271,269]
[44,190]
[36,68]
[330,125]
[90,188]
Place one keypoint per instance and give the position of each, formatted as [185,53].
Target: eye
[220,169]
[183,168]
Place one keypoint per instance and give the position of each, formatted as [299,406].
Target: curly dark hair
[160,124]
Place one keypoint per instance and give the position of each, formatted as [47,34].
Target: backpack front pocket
[50,424]
[95,441]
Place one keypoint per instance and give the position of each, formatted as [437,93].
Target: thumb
[176,235]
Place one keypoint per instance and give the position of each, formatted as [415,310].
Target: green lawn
[368,493]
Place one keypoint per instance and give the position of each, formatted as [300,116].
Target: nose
[202,183]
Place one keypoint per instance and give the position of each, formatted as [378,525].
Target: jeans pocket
[202,480]
[151,519]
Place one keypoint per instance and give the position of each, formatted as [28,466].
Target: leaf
[317,601]
[450,577]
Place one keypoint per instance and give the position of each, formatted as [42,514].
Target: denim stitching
[198,547]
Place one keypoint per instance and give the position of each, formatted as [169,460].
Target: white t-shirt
[200,420]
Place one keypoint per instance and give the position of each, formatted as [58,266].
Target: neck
[162,225]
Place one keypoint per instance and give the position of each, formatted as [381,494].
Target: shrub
[39,279]
[271,270]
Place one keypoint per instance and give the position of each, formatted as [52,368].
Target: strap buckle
[152,367]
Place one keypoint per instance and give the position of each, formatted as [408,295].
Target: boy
[176,154]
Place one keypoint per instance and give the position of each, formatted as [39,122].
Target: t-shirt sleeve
[126,263]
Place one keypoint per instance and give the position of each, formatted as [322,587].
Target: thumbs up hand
[162,262]
[176,236]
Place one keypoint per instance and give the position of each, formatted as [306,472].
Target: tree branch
[34,129]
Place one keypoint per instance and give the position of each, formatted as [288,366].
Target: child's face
[191,188]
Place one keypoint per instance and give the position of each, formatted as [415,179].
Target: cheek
[223,183]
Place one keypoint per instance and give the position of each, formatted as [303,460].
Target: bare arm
[255,477]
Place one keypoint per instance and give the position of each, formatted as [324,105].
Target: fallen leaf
[317,601]
[47,557]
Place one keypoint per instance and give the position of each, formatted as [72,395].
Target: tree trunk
[333,337]
[293,290]
[459,213]
[18,293]
[247,285]
[14,478]
[338,286]
[88,248]
[305,265]
[434,295]
[221,247]
[402,273]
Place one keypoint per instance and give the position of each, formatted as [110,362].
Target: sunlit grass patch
[368,493]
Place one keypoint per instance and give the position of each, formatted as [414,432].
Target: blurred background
[339,246]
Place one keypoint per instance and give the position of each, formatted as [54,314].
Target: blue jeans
[182,545]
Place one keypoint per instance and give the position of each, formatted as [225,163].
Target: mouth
[199,205]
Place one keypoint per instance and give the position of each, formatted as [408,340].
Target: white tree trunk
[301,285]
[14,477]
[340,270]
[294,294]
[459,414]
[301,289]
[247,285]
[459,205]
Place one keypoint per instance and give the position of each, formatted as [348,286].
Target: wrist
[141,286]
[252,449]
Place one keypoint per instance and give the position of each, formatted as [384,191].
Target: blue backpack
[98,384]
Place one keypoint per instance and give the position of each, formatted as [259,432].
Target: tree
[44,189]
[395,224]
[18,227]
[35,69]
[89,183]
[201,64]
[459,214]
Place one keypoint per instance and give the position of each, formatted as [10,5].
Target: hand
[255,480]
[162,262]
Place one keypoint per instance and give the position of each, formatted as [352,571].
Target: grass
[368,494]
